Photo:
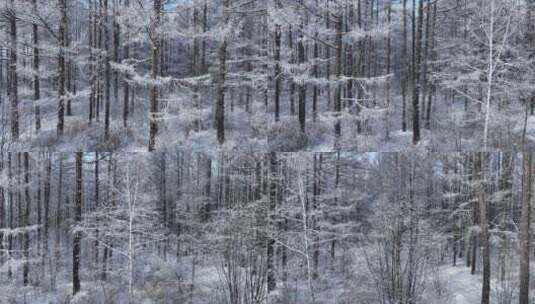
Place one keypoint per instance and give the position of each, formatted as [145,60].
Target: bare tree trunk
[39,167]
[107,73]
[483,222]
[36,87]
[302,86]
[77,219]
[525,222]
[388,56]
[204,67]
[97,203]
[292,60]
[57,242]
[126,85]
[416,72]
[338,94]
[271,282]
[425,56]
[46,201]
[404,72]
[61,63]
[11,224]
[92,78]
[155,42]
[277,71]
[26,221]
[116,40]
[219,111]
[432,88]
[13,76]
[68,69]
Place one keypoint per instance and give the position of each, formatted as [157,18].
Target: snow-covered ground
[464,288]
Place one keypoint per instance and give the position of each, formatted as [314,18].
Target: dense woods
[91,227]
[267,151]
[277,75]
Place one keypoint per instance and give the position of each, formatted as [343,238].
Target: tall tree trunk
[77,220]
[116,41]
[57,241]
[107,73]
[61,63]
[301,85]
[432,88]
[425,56]
[13,75]
[388,56]
[315,89]
[91,61]
[39,167]
[36,86]
[204,67]
[97,203]
[11,224]
[416,72]
[46,201]
[126,85]
[404,72]
[26,221]
[219,111]
[338,95]
[525,222]
[155,43]
[271,281]
[483,222]
[277,75]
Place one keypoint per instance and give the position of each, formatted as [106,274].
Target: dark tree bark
[77,219]
[59,214]
[431,85]
[338,95]
[93,67]
[36,84]
[155,42]
[404,72]
[26,220]
[277,75]
[315,72]
[416,72]
[126,85]
[62,69]
[219,111]
[271,281]
[107,73]
[302,86]
[13,86]
[525,222]
[388,71]
[116,41]
[46,202]
[97,204]
[483,222]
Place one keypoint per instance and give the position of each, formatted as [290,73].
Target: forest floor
[464,287]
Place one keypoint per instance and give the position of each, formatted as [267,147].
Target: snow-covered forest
[267,151]
[341,227]
[277,75]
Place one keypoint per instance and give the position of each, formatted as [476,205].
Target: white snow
[464,287]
